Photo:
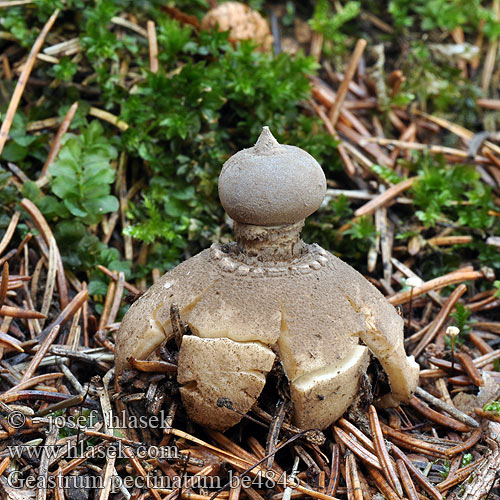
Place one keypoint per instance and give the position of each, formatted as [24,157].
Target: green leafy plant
[496,284]
[386,173]
[461,315]
[14,22]
[493,406]
[452,194]
[462,321]
[446,469]
[444,14]
[65,69]
[82,175]
[23,146]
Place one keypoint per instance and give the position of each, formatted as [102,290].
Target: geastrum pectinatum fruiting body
[270,296]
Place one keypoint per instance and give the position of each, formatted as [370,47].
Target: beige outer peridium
[312,318]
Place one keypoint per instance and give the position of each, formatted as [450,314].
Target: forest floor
[116,117]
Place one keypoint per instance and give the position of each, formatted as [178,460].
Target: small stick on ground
[451,410]
[487,472]
[274,431]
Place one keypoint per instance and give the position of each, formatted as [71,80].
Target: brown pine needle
[382,453]
[367,457]
[472,371]
[9,232]
[437,417]
[40,354]
[47,235]
[354,489]
[359,435]
[153,47]
[382,484]
[16,312]
[334,112]
[406,480]
[435,284]
[442,150]
[438,322]
[152,366]
[23,80]
[4,284]
[421,479]
[412,443]
[334,471]
[385,197]
[10,342]
[140,470]
[40,379]
[56,145]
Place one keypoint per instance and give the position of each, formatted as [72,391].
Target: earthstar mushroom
[269,297]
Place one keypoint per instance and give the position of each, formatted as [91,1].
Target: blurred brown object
[241,21]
